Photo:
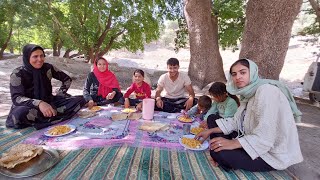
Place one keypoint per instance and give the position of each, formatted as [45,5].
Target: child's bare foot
[213,162]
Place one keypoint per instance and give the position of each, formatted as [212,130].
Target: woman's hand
[91,103]
[126,103]
[219,143]
[111,95]
[47,110]
[204,135]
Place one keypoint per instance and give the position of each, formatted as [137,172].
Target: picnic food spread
[119,117]
[124,116]
[134,116]
[196,130]
[153,126]
[191,142]
[128,110]
[58,130]
[86,114]
[185,119]
[95,108]
[19,154]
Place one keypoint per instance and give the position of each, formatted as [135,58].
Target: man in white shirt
[174,84]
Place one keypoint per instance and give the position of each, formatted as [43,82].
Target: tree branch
[104,33]
[316,8]
[107,48]
[56,20]
[5,44]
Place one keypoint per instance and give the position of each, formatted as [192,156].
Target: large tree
[96,27]
[210,26]
[205,62]
[7,20]
[314,28]
[316,7]
[267,33]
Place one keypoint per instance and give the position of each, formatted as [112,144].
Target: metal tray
[39,164]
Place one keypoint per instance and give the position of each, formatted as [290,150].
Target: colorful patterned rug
[123,162]
[100,130]
[126,162]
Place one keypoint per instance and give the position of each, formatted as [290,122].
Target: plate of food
[60,130]
[196,130]
[25,160]
[189,142]
[128,110]
[86,114]
[185,119]
[95,108]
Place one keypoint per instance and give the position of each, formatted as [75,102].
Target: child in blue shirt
[224,104]
[200,110]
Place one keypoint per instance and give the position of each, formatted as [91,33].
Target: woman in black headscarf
[31,93]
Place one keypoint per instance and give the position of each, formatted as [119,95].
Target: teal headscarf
[255,82]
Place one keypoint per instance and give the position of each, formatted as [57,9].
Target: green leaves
[100,25]
[231,19]
[85,25]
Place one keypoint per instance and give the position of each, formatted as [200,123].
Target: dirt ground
[309,135]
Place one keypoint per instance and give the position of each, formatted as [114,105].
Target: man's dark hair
[173,61]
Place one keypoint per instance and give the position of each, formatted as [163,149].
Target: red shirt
[144,91]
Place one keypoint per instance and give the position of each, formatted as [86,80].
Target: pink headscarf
[107,79]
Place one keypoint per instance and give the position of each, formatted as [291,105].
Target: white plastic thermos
[147,108]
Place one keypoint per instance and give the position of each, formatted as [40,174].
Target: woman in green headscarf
[262,135]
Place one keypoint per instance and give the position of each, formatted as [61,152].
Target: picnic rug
[127,162]
[101,131]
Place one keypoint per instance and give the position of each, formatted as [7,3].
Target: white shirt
[270,131]
[174,89]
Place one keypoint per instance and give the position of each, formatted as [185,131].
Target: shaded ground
[309,135]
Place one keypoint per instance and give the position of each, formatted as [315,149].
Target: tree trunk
[67,53]
[267,34]
[5,44]
[315,6]
[91,56]
[74,55]
[11,50]
[205,63]
[55,50]
[59,47]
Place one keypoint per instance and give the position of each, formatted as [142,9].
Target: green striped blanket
[124,162]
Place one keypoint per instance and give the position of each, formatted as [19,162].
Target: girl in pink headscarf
[101,86]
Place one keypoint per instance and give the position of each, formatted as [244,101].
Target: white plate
[204,145]
[181,115]
[72,127]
